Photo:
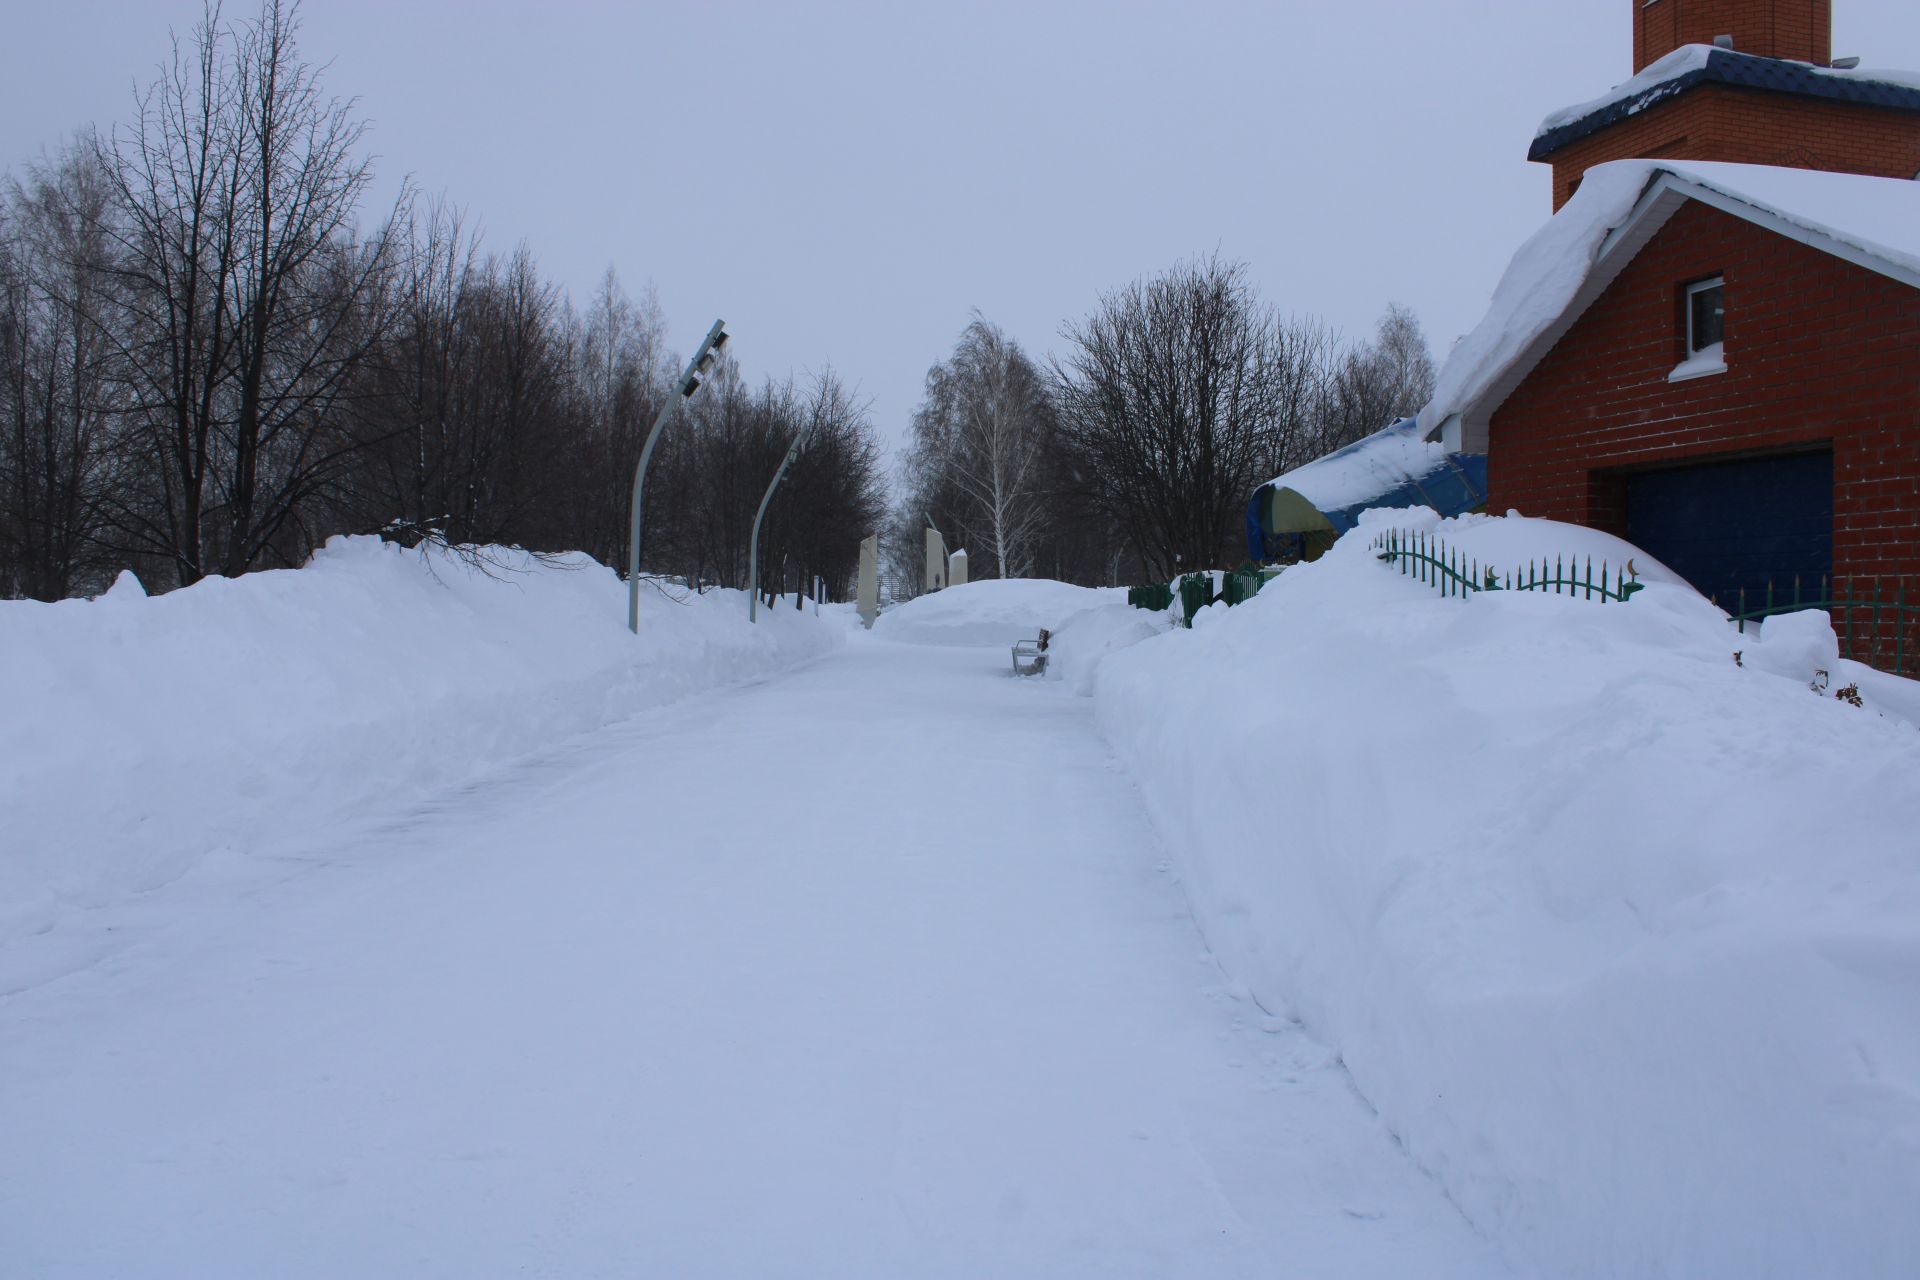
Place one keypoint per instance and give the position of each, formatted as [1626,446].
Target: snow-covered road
[874,969]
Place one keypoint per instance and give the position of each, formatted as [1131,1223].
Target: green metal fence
[1154,596]
[1243,584]
[1425,558]
[1874,626]
[1198,590]
[1196,593]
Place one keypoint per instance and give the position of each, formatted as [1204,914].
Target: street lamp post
[753,543]
[689,383]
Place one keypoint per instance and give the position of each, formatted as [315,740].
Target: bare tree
[410,391]
[979,440]
[59,398]
[1174,403]
[620,362]
[740,435]
[207,365]
[1378,382]
[834,496]
[249,301]
[902,550]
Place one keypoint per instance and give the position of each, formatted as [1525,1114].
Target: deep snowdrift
[141,734]
[995,611]
[1621,938]
[1086,638]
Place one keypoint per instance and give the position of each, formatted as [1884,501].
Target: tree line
[1131,454]
[214,356]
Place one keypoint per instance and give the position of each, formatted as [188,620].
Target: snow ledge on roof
[1369,467]
[1690,58]
[1682,61]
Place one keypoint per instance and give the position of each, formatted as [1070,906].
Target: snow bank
[143,734]
[1076,650]
[1621,938]
[995,611]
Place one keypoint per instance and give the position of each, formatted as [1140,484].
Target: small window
[1706,318]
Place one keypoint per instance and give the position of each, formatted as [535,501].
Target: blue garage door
[1726,526]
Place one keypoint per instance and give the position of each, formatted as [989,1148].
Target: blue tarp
[1450,483]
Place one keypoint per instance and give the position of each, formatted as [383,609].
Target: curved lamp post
[689,383]
[753,542]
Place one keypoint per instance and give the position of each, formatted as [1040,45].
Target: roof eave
[1656,205]
[1545,145]
[1665,194]
[1782,225]
[1736,71]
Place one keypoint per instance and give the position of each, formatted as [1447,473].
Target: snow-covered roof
[1563,267]
[1365,469]
[1693,64]
[1394,467]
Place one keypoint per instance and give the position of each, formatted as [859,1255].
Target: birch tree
[1378,382]
[979,445]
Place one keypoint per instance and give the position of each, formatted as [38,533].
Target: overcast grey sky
[843,182]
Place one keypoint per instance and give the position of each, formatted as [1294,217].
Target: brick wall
[1798,29]
[1748,126]
[1818,352]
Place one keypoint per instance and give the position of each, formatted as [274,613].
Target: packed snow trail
[870,970]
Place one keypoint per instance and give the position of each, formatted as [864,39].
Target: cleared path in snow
[873,970]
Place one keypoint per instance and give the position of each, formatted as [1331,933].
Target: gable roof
[1693,64]
[1553,278]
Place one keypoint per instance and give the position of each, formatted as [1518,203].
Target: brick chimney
[1756,88]
[1798,29]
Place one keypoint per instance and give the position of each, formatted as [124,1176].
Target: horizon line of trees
[1131,455]
[213,357]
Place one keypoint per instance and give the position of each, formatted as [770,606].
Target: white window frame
[1712,358]
[1694,350]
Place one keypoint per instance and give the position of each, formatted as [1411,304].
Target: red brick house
[1718,361]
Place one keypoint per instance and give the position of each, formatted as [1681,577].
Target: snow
[1798,645]
[1077,648]
[1512,541]
[1685,60]
[1878,75]
[1802,646]
[871,969]
[991,612]
[1539,284]
[145,736]
[1368,468]
[1879,217]
[1621,938]
[1689,58]
[1699,366]
[474,936]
